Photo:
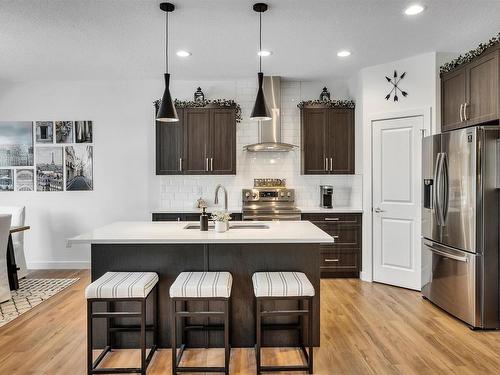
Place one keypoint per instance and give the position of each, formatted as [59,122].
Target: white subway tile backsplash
[181,192]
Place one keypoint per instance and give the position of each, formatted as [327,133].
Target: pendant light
[167,111]
[260,110]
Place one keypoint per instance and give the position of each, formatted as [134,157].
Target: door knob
[378,210]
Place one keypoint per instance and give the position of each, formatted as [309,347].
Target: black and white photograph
[83,132]
[16,143]
[6,180]
[44,131]
[24,179]
[79,167]
[49,168]
[64,131]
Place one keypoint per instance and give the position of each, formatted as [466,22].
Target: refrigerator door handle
[446,187]
[441,250]
[436,187]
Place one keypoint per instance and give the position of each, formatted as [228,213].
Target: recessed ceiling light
[414,9]
[343,53]
[183,53]
[264,53]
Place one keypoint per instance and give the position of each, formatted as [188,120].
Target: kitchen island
[169,248]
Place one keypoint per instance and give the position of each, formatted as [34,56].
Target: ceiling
[124,39]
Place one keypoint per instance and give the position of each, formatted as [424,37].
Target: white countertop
[194,210]
[334,210]
[345,209]
[141,232]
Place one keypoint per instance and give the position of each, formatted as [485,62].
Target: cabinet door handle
[331,164]
[180,164]
[206,164]
[336,237]
[331,260]
[326,164]
[212,164]
[332,219]
[461,113]
[465,111]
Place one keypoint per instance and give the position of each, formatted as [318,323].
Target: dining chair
[4,240]
[18,220]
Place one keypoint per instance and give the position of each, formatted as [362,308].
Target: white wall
[125,187]
[369,88]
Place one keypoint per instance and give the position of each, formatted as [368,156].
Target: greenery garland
[345,103]
[463,59]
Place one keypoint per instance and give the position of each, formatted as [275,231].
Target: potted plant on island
[221,220]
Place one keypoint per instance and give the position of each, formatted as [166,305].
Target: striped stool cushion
[122,285]
[202,285]
[282,284]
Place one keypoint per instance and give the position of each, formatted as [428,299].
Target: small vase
[220,226]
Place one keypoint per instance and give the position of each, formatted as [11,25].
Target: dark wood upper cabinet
[327,138]
[202,142]
[313,138]
[452,99]
[169,146]
[341,140]
[196,131]
[470,94]
[222,146]
[482,90]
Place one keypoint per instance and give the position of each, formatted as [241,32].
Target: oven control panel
[270,194]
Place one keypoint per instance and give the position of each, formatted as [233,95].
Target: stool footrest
[284,312]
[110,370]
[201,369]
[285,368]
[149,327]
[121,314]
[204,327]
[184,314]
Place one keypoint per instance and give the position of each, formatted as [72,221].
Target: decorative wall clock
[395,89]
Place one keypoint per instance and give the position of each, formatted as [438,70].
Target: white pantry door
[397,150]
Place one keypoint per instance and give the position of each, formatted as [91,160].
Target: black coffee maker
[326,196]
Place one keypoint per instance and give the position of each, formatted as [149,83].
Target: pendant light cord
[260,42]
[166,42]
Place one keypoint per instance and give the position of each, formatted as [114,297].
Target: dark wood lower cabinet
[343,258]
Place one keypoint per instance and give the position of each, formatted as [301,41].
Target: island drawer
[333,218]
[340,263]
[344,236]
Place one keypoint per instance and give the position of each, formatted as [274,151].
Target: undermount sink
[233,226]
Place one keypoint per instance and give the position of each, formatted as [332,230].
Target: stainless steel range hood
[270,131]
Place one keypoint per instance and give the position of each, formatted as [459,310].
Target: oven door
[449,281]
[258,215]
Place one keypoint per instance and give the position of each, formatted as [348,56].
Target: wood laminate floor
[366,328]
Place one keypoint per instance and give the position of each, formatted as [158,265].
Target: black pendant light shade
[167,111]
[260,110]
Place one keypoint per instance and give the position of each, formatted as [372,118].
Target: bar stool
[122,287]
[279,286]
[201,287]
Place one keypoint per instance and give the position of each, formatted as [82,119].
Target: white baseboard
[365,277]
[59,265]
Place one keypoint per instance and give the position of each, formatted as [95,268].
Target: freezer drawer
[449,281]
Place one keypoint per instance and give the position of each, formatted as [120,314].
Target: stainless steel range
[269,200]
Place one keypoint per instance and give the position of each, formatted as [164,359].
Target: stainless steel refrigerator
[460,223]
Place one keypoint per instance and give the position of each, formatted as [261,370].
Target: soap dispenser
[204,220]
